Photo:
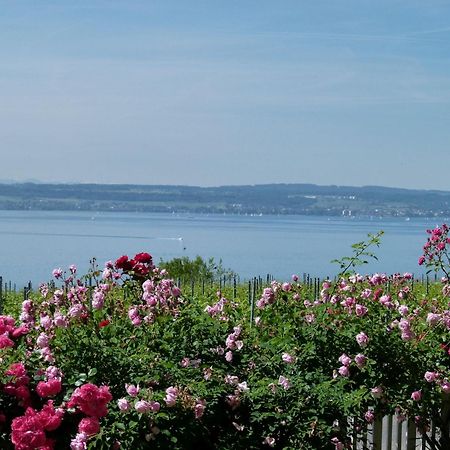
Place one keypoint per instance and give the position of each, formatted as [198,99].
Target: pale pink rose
[242,387]
[362,339]
[42,340]
[57,273]
[360,310]
[377,391]
[123,404]
[284,382]
[185,362]
[431,376]
[369,416]
[287,358]
[98,300]
[155,406]
[132,390]
[142,406]
[345,359]
[199,408]
[60,320]
[360,360]
[46,322]
[171,396]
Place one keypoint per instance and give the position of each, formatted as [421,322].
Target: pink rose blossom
[243,387]
[199,408]
[344,359]
[360,360]
[79,442]
[362,339]
[57,273]
[49,388]
[361,310]
[123,404]
[377,392]
[132,390]
[143,406]
[6,342]
[89,425]
[46,322]
[171,396]
[287,358]
[284,382]
[369,416]
[433,319]
[185,362]
[431,376]
[344,371]
[91,399]
[60,320]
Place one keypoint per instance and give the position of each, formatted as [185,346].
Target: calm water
[32,243]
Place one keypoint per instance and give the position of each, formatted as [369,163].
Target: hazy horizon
[37,181]
[236,93]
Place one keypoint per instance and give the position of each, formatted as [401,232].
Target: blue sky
[236,92]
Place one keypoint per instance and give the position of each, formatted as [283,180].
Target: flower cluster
[435,250]
[139,266]
[29,432]
[9,333]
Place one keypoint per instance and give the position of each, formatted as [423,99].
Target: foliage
[361,254]
[196,269]
[121,359]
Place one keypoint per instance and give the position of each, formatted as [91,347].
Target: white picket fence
[389,434]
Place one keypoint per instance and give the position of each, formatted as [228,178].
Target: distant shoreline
[270,199]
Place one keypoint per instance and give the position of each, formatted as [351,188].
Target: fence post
[411,435]
[252,301]
[377,433]
[388,432]
[445,422]
[1,295]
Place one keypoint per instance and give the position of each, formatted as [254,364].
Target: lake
[34,242]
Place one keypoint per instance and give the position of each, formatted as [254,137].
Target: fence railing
[390,434]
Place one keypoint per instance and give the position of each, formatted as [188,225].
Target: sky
[208,93]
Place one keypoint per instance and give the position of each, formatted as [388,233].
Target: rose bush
[121,359]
